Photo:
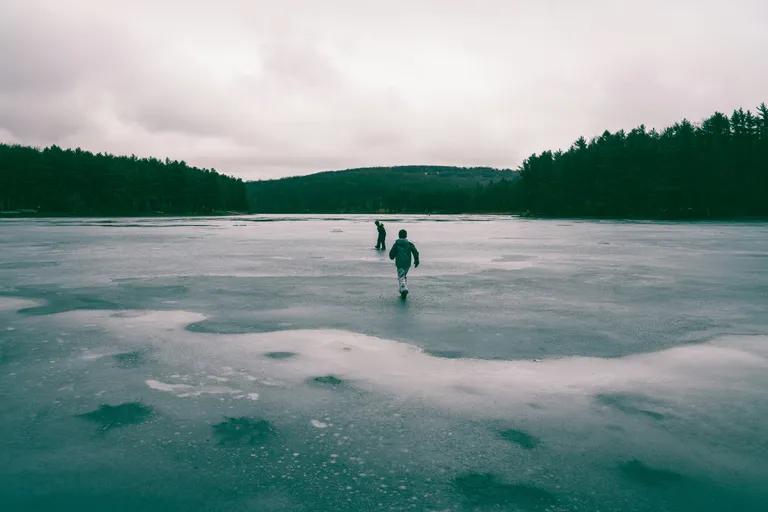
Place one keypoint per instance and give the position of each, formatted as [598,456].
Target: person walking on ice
[380,241]
[401,252]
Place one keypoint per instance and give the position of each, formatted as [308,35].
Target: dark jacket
[382,231]
[401,252]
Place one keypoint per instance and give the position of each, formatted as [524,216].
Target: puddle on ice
[121,415]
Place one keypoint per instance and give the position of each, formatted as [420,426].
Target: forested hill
[55,181]
[717,168]
[389,189]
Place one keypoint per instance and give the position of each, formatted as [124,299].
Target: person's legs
[402,279]
[380,243]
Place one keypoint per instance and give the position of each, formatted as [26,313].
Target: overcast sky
[260,89]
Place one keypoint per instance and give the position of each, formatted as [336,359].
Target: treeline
[403,189]
[715,169]
[75,182]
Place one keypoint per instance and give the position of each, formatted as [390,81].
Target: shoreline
[744,219]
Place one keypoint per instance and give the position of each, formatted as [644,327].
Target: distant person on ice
[380,241]
[401,252]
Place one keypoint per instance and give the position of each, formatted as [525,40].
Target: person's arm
[415,255]
[393,252]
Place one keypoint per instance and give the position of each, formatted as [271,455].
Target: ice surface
[266,363]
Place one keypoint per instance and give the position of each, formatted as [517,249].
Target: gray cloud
[265,89]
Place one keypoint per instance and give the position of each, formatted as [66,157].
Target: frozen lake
[266,363]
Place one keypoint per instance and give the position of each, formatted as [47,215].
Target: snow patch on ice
[17,303]
[170,388]
[88,355]
[727,364]
[187,390]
